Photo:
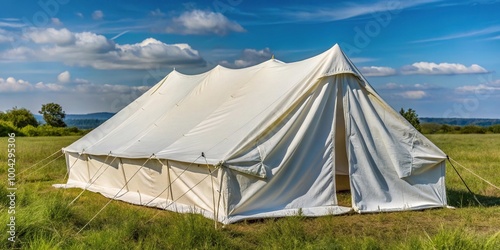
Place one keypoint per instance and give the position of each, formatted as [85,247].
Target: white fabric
[275,135]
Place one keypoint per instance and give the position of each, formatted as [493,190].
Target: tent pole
[123,172]
[220,191]
[169,182]
[213,190]
[88,167]
[213,194]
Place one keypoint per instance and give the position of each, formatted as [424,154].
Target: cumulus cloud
[377,71]
[79,14]
[430,68]
[249,57]
[56,21]
[78,86]
[97,15]
[64,77]
[12,85]
[90,49]
[199,22]
[413,94]
[60,37]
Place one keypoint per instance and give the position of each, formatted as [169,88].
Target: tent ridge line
[337,72]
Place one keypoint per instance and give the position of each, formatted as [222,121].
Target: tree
[19,117]
[53,114]
[411,116]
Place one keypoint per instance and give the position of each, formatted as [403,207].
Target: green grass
[45,221]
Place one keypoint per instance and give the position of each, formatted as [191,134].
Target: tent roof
[184,115]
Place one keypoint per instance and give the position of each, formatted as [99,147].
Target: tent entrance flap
[341,164]
[340,148]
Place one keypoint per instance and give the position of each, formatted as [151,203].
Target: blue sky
[440,58]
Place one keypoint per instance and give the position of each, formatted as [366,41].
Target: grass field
[45,221]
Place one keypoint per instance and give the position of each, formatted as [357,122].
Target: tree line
[22,122]
[436,128]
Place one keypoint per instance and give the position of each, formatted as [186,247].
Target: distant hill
[461,121]
[93,120]
[83,121]
[100,116]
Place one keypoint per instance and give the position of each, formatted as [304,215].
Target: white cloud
[156,13]
[56,21]
[487,87]
[109,88]
[430,68]
[64,77]
[481,32]
[346,11]
[377,71]
[12,85]
[90,49]
[392,85]
[78,86]
[97,15]
[9,23]
[417,86]
[199,22]
[60,37]
[5,36]
[17,54]
[416,91]
[112,96]
[413,94]
[92,43]
[79,14]
[362,59]
[495,38]
[81,81]
[249,57]
[48,86]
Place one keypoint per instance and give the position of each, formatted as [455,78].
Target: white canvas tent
[264,141]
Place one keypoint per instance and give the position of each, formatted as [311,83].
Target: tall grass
[45,220]
[479,153]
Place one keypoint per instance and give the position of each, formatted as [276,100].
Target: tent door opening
[341,164]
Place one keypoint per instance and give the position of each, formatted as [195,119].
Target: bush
[473,129]
[30,131]
[46,130]
[20,118]
[435,128]
[430,128]
[494,129]
[7,127]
